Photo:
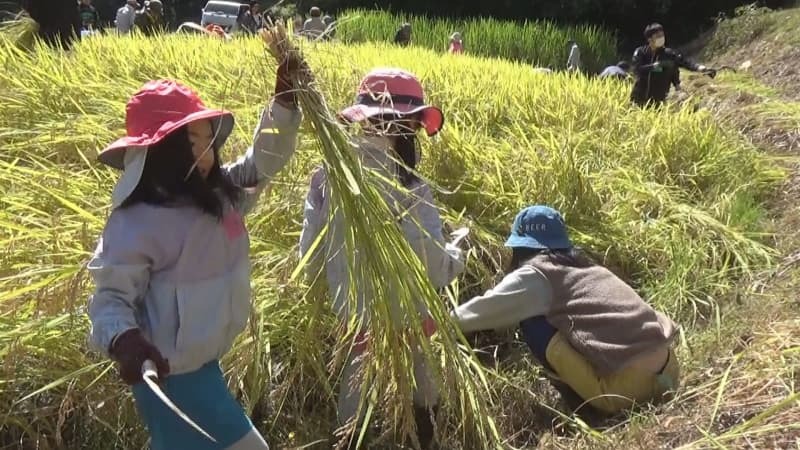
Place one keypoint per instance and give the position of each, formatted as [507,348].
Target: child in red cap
[172,270]
[390,105]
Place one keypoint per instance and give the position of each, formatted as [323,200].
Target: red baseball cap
[159,108]
[393,91]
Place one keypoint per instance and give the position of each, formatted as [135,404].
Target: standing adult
[126,17]
[90,19]
[150,20]
[574,60]
[314,27]
[251,20]
[656,67]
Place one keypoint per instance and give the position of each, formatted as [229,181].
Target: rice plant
[670,199]
[540,43]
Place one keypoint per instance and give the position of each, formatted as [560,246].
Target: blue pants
[537,333]
[205,398]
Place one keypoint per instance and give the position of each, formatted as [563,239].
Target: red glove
[284,88]
[130,351]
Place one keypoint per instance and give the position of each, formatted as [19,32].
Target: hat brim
[432,117]
[134,159]
[222,121]
[515,241]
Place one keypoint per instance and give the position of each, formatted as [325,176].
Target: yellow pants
[617,391]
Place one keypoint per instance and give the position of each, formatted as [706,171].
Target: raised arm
[522,294]
[274,141]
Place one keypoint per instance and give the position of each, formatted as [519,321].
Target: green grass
[672,201]
[540,43]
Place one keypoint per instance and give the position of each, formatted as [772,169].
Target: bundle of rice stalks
[389,269]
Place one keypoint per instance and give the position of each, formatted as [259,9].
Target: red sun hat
[158,109]
[393,91]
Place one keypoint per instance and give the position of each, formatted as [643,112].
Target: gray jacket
[177,273]
[443,261]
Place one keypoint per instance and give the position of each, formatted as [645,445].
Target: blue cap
[539,227]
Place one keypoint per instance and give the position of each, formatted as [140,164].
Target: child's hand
[131,350]
[290,62]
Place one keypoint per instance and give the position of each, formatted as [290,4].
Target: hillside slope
[741,388]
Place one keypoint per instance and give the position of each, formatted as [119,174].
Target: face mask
[659,42]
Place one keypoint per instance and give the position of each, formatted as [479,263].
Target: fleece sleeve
[274,143]
[120,268]
[422,227]
[522,294]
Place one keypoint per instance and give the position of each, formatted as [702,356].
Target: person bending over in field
[656,67]
[620,71]
[597,340]
[391,109]
[172,270]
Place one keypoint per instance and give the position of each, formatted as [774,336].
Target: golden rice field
[671,200]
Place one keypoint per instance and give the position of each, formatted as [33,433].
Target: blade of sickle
[149,373]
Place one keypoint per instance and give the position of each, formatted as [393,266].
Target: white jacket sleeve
[314,217]
[121,268]
[274,143]
[522,294]
[422,227]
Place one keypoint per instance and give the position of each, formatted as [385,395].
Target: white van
[222,13]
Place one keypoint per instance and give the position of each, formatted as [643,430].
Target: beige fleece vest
[602,317]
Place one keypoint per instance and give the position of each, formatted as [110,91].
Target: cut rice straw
[381,262]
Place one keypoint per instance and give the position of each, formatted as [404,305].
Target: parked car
[222,13]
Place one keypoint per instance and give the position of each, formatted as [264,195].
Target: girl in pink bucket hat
[391,109]
[172,270]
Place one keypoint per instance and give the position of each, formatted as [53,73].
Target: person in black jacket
[403,35]
[656,67]
[59,21]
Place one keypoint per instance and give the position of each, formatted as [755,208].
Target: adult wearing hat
[598,341]
[390,108]
[171,269]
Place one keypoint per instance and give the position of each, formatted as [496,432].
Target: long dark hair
[404,144]
[162,182]
[572,257]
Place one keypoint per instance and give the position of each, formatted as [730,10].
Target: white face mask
[659,42]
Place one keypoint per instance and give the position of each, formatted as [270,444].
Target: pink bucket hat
[158,109]
[393,91]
